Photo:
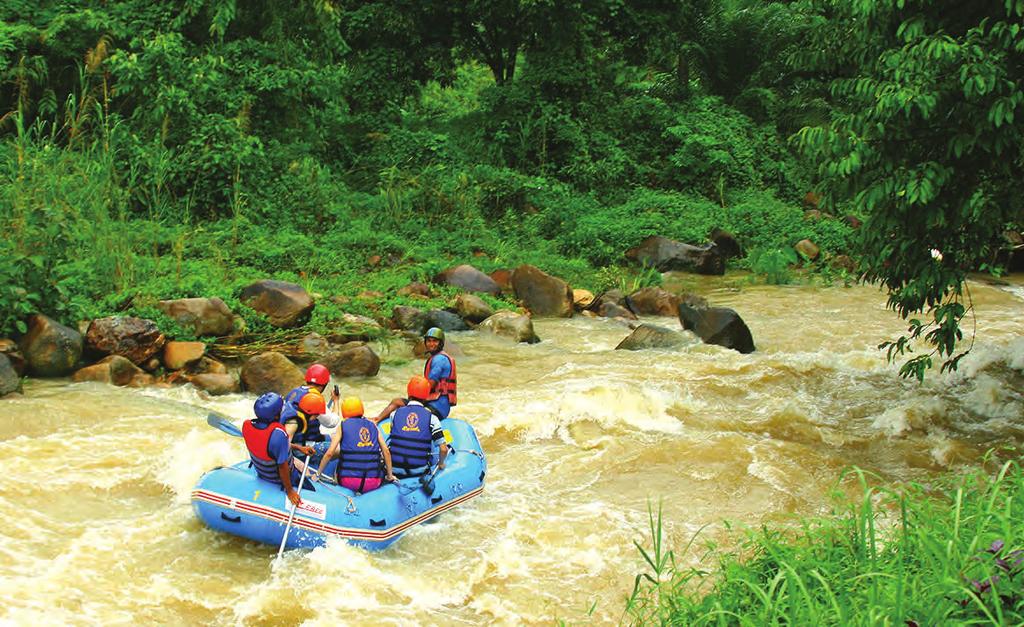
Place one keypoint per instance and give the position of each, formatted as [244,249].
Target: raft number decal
[309,508]
[364,438]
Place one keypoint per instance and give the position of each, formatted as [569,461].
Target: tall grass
[949,553]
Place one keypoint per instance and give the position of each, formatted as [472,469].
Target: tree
[927,141]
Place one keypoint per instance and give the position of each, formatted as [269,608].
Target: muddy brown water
[580,438]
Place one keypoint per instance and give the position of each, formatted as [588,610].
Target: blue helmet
[268,407]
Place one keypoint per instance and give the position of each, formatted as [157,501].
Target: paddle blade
[220,422]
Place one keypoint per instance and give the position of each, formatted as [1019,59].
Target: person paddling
[363,454]
[269,446]
[439,370]
[414,430]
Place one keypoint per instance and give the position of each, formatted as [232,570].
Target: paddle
[220,422]
[427,481]
[291,517]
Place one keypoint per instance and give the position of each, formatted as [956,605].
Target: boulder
[10,380]
[654,301]
[355,328]
[205,316]
[113,369]
[616,297]
[177,355]
[271,372]
[446,320]
[666,255]
[136,339]
[503,278]
[10,348]
[50,348]
[512,325]
[609,309]
[651,336]
[285,304]
[807,249]
[410,319]
[541,293]
[582,299]
[469,279]
[207,365]
[354,359]
[417,289]
[313,345]
[726,243]
[472,308]
[717,325]
[215,384]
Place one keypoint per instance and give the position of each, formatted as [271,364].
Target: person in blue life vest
[364,460]
[308,427]
[414,431]
[303,430]
[269,447]
[439,370]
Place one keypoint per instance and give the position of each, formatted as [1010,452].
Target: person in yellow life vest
[364,460]
[439,369]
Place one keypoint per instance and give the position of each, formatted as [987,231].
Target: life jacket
[360,450]
[410,441]
[258,442]
[309,428]
[446,386]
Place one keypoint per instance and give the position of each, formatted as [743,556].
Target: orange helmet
[351,407]
[318,374]
[418,388]
[312,404]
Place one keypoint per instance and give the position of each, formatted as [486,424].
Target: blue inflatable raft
[233,499]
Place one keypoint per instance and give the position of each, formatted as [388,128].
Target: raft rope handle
[351,509]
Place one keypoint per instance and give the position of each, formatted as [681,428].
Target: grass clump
[951,553]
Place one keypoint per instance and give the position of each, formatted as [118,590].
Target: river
[581,440]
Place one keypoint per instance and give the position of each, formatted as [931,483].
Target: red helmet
[312,404]
[418,388]
[318,374]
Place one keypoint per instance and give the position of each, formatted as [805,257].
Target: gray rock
[205,316]
[50,348]
[285,304]
[512,325]
[271,372]
[469,279]
[446,320]
[9,379]
[410,319]
[666,255]
[544,295]
[472,308]
[717,325]
[647,336]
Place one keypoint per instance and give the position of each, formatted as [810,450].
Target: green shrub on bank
[922,555]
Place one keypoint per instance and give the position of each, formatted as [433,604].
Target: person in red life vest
[439,369]
[364,461]
[414,431]
[269,447]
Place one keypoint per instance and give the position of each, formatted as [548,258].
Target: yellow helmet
[351,407]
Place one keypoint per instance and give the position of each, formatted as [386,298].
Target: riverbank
[947,551]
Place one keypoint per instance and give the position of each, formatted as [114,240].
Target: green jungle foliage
[184,148]
[951,553]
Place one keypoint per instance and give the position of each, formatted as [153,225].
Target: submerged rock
[717,325]
[651,336]
[511,325]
